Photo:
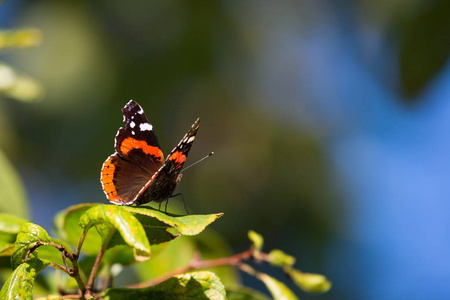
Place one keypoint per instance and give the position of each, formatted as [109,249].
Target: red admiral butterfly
[137,173]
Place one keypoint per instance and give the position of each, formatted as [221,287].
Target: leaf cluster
[123,236]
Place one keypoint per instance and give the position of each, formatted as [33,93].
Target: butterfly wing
[137,159]
[164,182]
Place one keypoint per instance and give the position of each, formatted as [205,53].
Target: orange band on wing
[178,157]
[106,179]
[129,144]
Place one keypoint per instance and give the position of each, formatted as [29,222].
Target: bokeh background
[330,122]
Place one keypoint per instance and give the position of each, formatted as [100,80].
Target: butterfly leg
[184,202]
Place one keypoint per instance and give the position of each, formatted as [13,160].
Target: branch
[90,282]
[196,263]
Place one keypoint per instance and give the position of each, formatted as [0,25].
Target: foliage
[130,234]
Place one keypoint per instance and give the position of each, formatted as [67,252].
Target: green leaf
[20,284]
[12,193]
[245,293]
[67,228]
[156,232]
[10,223]
[23,38]
[313,283]
[195,286]
[9,227]
[30,236]
[6,249]
[280,259]
[256,239]
[19,86]
[186,225]
[277,289]
[108,217]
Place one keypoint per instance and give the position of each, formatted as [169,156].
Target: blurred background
[329,119]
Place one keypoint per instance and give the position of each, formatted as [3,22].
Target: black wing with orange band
[138,157]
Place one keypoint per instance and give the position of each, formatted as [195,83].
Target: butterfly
[137,172]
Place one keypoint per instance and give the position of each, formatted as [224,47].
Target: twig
[74,271]
[80,242]
[90,282]
[38,244]
[197,263]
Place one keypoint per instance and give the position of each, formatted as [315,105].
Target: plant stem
[90,282]
[59,267]
[80,242]
[196,263]
[75,270]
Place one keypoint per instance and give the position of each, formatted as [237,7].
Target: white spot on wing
[141,111]
[145,127]
[132,124]
[191,139]
[132,132]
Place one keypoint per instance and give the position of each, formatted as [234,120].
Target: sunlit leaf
[106,217]
[277,289]
[12,193]
[156,232]
[20,284]
[313,283]
[195,286]
[281,259]
[245,293]
[29,237]
[19,86]
[21,38]
[186,225]
[257,241]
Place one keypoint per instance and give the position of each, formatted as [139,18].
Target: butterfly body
[137,172]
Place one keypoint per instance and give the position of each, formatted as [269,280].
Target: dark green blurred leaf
[121,254]
[425,46]
[313,283]
[20,284]
[29,236]
[281,259]
[277,289]
[67,228]
[186,225]
[12,193]
[109,217]
[22,38]
[245,293]
[195,286]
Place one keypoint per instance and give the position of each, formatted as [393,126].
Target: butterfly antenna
[197,161]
